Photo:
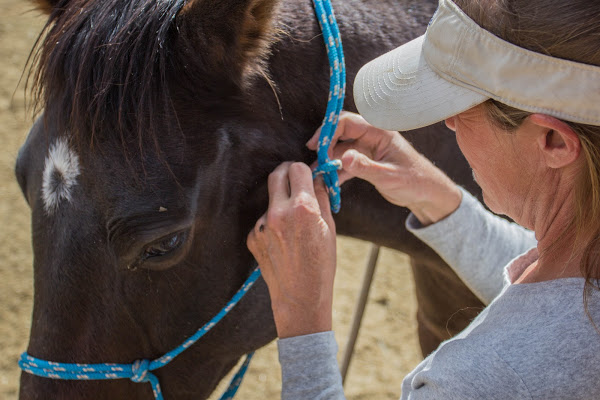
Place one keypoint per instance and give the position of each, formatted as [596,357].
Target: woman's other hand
[389,162]
[294,244]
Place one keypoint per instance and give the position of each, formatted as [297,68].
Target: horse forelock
[101,67]
[106,68]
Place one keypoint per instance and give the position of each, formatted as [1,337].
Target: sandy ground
[387,347]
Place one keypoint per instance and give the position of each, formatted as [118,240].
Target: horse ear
[234,34]
[47,5]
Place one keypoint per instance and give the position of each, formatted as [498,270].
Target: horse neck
[287,107]
[299,65]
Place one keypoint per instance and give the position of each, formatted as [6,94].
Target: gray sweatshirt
[532,341]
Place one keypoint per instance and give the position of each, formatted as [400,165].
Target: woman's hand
[294,244]
[389,162]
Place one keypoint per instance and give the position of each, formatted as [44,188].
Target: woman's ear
[559,144]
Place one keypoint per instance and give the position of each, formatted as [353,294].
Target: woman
[518,81]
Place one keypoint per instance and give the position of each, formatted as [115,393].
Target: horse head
[141,175]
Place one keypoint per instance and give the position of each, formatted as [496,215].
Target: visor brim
[399,91]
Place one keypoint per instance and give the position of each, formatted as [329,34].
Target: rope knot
[327,167]
[329,170]
[140,371]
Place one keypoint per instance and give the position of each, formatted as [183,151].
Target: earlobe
[559,144]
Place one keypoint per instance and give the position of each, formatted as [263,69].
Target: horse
[147,167]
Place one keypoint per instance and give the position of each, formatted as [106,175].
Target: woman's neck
[560,251]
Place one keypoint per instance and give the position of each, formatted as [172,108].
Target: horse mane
[104,64]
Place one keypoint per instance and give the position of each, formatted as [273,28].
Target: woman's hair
[568,30]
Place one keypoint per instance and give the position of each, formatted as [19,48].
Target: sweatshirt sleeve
[309,368]
[476,244]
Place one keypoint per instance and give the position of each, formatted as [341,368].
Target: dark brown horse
[162,120]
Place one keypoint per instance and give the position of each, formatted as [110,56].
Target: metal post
[360,308]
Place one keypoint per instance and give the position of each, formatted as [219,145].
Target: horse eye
[164,245]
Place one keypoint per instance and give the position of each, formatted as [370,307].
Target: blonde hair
[568,30]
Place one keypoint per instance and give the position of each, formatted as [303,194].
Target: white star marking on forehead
[61,170]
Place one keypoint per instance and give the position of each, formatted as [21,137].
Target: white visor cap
[457,65]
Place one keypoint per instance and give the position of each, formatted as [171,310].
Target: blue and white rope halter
[141,370]
[337,91]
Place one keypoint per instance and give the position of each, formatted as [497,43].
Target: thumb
[359,165]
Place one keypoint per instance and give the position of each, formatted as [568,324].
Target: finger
[252,244]
[347,126]
[314,140]
[350,126]
[343,147]
[339,150]
[322,196]
[352,130]
[260,225]
[344,176]
[300,177]
[359,165]
[340,132]
[256,243]
[278,184]
[253,235]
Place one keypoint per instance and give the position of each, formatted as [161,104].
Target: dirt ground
[387,347]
